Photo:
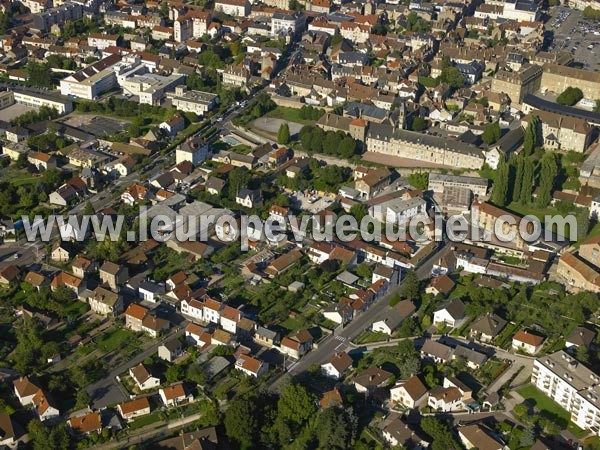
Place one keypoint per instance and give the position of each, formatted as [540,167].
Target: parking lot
[99,126]
[576,35]
[311,203]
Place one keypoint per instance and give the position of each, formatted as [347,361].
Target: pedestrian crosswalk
[340,338]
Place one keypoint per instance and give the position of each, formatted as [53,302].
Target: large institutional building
[389,140]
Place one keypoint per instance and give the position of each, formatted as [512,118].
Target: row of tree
[260,420]
[336,143]
[517,179]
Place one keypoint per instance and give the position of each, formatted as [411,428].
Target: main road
[339,340]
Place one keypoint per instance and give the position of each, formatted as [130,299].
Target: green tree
[439,430]
[419,180]
[295,405]
[83,399]
[39,74]
[410,286]
[548,174]
[44,438]
[418,124]
[241,423]
[174,373]
[4,23]
[528,436]
[358,211]
[528,180]
[88,209]
[520,411]
[569,96]
[283,136]
[337,38]
[500,192]
[332,429]
[453,77]
[21,161]
[581,353]
[530,139]
[518,170]
[491,134]
[197,374]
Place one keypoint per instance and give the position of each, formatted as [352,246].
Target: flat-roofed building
[197,102]
[150,88]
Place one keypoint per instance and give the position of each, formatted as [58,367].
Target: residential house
[487,327]
[175,394]
[192,308]
[372,380]
[105,302]
[283,262]
[441,285]
[527,342]
[151,291]
[82,267]
[477,436]
[114,275]
[409,393]
[61,252]
[36,280]
[230,317]
[297,344]
[133,409]
[135,193]
[212,310]
[86,423]
[154,325]
[42,161]
[580,337]
[134,317]
[250,366]
[436,351]
[170,350]
[451,315]
[249,198]
[445,399]
[143,377]
[337,366]
[340,313]
[9,435]
[29,394]
[76,285]
[393,317]
[265,337]
[196,335]
[9,274]
[472,358]
[221,337]
[397,433]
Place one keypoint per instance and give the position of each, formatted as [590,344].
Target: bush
[570,96]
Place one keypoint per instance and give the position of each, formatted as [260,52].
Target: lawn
[115,339]
[145,420]
[367,337]
[550,409]
[18,177]
[289,114]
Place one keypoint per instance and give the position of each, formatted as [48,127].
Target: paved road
[107,391]
[340,341]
